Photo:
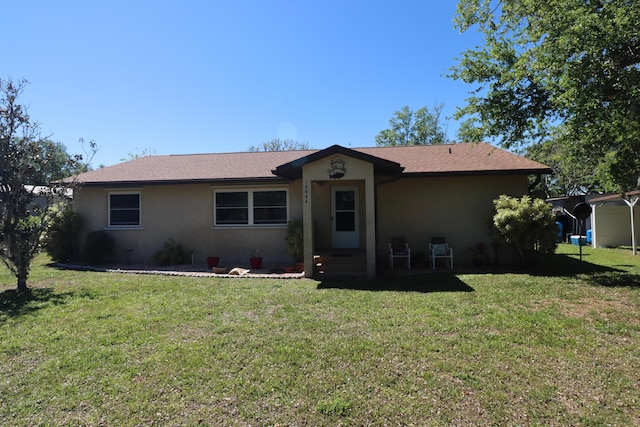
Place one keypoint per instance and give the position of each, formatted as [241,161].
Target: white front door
[345,230]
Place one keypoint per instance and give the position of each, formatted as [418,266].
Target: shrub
[98,247]
[527,224]
[171,254]
[295,239]
[62,240]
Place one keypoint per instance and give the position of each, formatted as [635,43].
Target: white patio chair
[399,248]
[438,248]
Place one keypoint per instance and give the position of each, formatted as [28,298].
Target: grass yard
[560,346]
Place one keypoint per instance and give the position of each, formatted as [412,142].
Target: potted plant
[479,257]
[295,242]
[255,259]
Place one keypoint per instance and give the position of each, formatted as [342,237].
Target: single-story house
[350,200]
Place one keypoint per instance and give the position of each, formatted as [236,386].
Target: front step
[340,264]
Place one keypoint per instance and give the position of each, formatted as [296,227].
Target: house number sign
[306,191]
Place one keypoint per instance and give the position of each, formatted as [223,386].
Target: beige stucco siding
[456,208]
[418,208]
[184,213]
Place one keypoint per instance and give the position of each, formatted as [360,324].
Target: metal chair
[438,248]
[399,248]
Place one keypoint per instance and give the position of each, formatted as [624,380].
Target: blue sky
[215,76]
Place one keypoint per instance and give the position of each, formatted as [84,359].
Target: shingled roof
[450,159]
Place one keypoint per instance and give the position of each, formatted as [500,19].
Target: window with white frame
[124,209]
[251,207]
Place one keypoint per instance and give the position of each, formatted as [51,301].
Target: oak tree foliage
[420,127]
[132,155]
[279,144]
[562,67]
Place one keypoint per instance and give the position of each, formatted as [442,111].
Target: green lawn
[560,346]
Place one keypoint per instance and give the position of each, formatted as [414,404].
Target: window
[251,207]
[124,210]
[232,208]
[269,207]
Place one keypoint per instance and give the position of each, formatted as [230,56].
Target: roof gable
[293,170]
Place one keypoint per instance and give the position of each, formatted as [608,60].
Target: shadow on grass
[559,265]
[14,303]
[614,279]
[565,265]
[419,283]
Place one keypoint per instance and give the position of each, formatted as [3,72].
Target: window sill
[245,227]
[123,228]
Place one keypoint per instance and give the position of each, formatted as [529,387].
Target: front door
[345,230]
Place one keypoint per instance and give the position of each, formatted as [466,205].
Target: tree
[137,154]
[278,144]
[469,131]
[573,173]
[24,162]
[59,164]
[422,127]
[527,224]
[564,66]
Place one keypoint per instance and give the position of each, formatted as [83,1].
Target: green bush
[295,239]
[171,254]
[98,247]
[62,240]
[527,224]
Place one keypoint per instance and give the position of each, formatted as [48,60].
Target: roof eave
[225,181]
[480,172]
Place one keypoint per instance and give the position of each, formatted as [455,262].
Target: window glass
[232,208]
[251,207]
[269,198]
[270,207]
[228,199]
[345,200]
[124,210]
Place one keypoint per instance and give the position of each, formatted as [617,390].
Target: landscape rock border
[177,271]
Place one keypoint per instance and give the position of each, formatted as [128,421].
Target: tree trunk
[22,279]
